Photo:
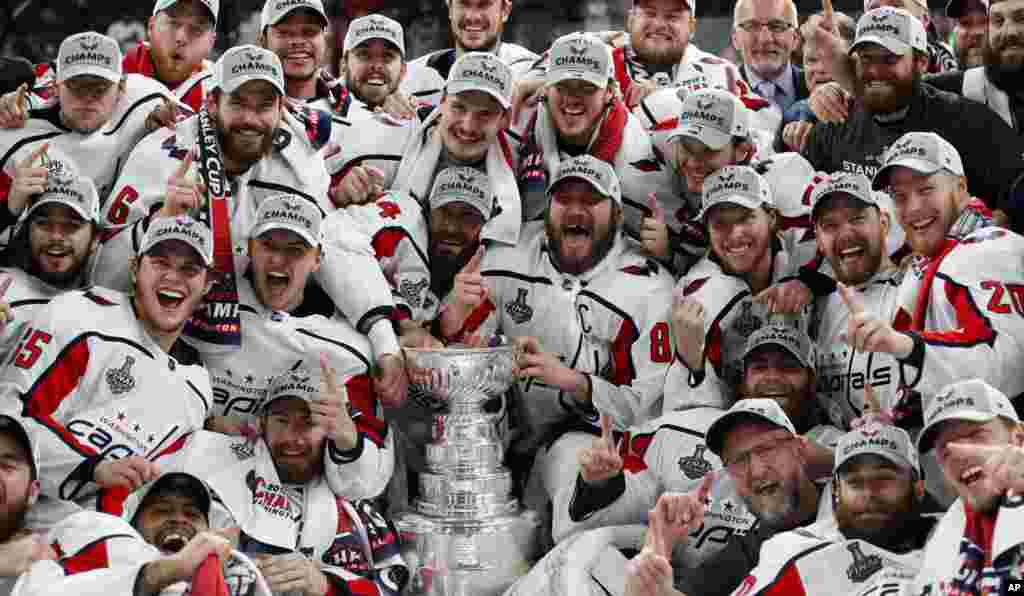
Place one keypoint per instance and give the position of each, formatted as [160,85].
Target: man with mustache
[477,26]
[581,115]
[891,57]
[589,312]
[876,532]
[971,31]
[103,381]
[765,34]
[976,547]
[266,150]
[181,36]
[99,114]
[19,485]
[955,308]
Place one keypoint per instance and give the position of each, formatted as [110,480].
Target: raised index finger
[328,375]
[473,266]
[655,206]
[19,100]
[704,489]
[606,432]
[851,300]
[186,163]
[38,153]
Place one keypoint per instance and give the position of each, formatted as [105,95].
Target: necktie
[767,90]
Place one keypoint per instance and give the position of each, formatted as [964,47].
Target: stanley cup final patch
[120,380]
[519,310]
[695,466]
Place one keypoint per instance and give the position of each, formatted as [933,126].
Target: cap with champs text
[300,383]
[12,425]
[856,185]
[375,26]
[78,193]
[292,213]
[580,56]
[787,337]
[713,117]
[182,228]
[973,400]
[599,174]
[89,53]
[894,29]
[274,11]
[739,185]
[465,184]
[691,5]
[211,5]
[923,152]
[242,64]
[760,409]
[883,440]
[961,8]
[481,71]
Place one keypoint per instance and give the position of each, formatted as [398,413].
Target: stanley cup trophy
[466,535]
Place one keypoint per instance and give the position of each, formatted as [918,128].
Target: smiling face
[774,373]
[60,242]
[852,236]
[469,123]
[18,491]
[659,30]
[373,70]
[694,161]
[454,231]
[169,520]
[477,24]
[180,38]
[766,464]
[576,107]
[965,474]
[740,238]
[295,443]
[885,81]
[300,41]
[87,102]
[170,282]
[927,206]
[281,265]
[1006,37]
[874,500]
[581,226]
[765,35]
[247,120]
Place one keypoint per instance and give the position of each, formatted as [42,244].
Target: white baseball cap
[760,409]
[481,71]
[242,64]
[211,5]
[923,152]
[599,174]
[740,185]
[301,383]
[183,228]
[690,4]
[77,193]
[580,56]
[292,213]
[973,400]
[465,184]
[787,337]
[713,117]
[856,185]
[884,440]
[375,26]
[894,29]
[89,53]
[276,10]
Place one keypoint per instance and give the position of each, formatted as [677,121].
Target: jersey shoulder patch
[694,286]
[98,299]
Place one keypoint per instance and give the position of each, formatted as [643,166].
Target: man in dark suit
[765,34]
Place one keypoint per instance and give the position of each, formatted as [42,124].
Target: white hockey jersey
[377,140]
[967,309]
[609,322]
[817,560]
[349,274]
[730,316]
[95,386]
[98,155]
[26,294]
[398,232]
[667,454]
[518,58]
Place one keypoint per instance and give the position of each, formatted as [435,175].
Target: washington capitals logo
[727,177]
[464,177]
[487,66]
[881,16]
[520,311]
[705,104]
[695,466]
[89,47]
[290,206]
[254,56]
[579,49]
[120,379]
[864,566]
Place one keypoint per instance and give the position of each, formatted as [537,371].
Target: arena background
[34,28]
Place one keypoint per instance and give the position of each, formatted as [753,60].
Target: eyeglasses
[768,453]
[775,27]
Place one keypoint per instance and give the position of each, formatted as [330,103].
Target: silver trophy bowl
[466,534]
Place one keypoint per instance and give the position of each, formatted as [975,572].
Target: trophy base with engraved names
[466,536]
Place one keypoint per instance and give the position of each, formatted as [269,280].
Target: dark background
[34,28]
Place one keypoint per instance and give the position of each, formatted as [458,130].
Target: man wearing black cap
[20,488]
[971,31]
